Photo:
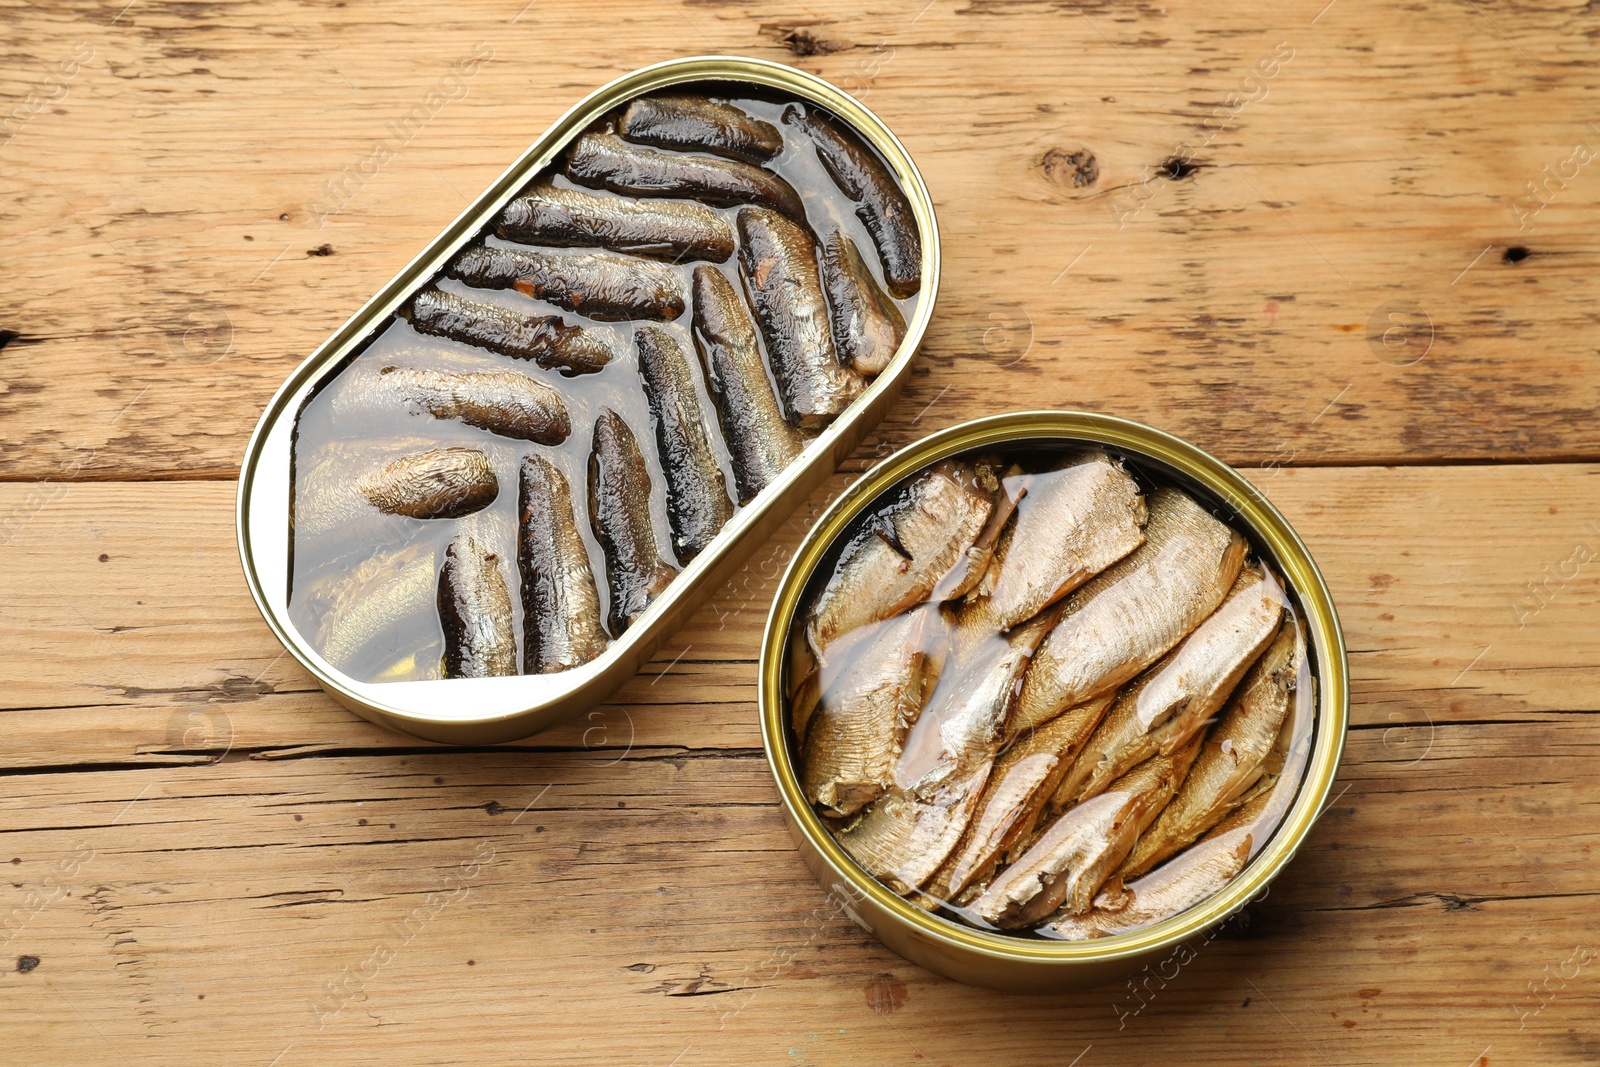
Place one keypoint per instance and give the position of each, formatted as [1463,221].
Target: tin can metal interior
[490,710]
[1013,963]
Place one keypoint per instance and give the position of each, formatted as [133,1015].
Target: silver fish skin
[439,483]
[1076,853]
[759,438]
[381,598]
[898,560]
[1130,614]
[604,286]
[853,739]
[1232,759]
[778,266]
[561,623]
[688,123]
[901,841]
[1072,523]
[867,326]
[1173,701]
[1194,876]
[1062,737]
[697,493]
[502,402]
[475,613]
[606,161]
[1015,791]
[960,730]
[566,218]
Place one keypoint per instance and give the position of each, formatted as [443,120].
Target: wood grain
[172,210]
[208,861]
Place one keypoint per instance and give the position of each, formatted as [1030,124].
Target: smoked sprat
[591,386]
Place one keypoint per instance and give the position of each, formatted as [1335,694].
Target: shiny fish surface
[778,265]
[760,440]
[882,205]
[1178,886]
[853,739]
[867,326]
[1233,758]
[899,559]
[606,161]
[1014,793]
[1129,615]
[1071,524]
[697,493]
[543,339]
[1070,860]
[441,483]
[475,613]
[960,731]
[1063,737]
[690,123]
[572,218]
[619,510]
[1166,707]
[560,603]
[901,841]
[503,402]
[373,604]
[604,286]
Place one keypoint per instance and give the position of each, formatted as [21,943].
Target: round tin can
[1019,964]
[492,710]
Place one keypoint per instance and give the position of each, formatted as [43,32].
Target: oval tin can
[1008,962]
[492,710]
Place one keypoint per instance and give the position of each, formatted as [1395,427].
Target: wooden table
[1305,239]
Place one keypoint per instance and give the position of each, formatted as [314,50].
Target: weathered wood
[181,246]
[1447,580]
[209,861]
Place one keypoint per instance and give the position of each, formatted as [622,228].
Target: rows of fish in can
[780,361]
[1045,700]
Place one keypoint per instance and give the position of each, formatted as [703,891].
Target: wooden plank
[1448,579]
[180,249]
[209,861]
[320,909]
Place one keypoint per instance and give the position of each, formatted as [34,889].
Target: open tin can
[1027,963]
[494,709]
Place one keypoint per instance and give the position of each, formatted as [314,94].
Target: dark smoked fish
[502,402]
[867,327]
[761,442]
[605,286]
[475,612]
[697,493]
[569,218]
[560,605]
[545,339]
[778,263]
[880,203]
[441,483]
[606,161]
[691,123]
[619,509]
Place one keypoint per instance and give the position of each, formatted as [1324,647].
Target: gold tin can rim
[1138,440]
[451,715]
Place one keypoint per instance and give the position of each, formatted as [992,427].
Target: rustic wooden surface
[1334,275]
